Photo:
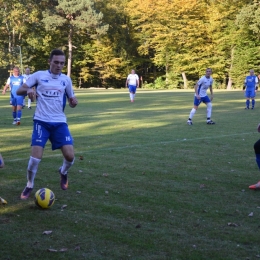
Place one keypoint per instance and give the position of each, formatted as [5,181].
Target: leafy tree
[74,17]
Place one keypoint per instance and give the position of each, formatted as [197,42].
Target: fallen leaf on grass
[63,206]
[202,186]
[77,248]
[47,232]
[78,191]
[138,226]
[3,201]
[251,214]
[63,250]
[81,157]
[105,174]
[52,250]
[232,224]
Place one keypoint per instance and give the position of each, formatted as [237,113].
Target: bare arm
[5,88]
[24,89]
[211,92]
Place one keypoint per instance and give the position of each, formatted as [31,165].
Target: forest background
[169,43]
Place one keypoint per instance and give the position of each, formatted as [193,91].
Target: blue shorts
[57,133]
[17,101]
[132,88]
[202,99]
[250,93]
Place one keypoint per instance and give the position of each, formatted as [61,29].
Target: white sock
[131,96]
[29,102]
[209,109]
[65,166]
[192,113]
[32,170]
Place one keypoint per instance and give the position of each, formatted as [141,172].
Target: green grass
[151,186]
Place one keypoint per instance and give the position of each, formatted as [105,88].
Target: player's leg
[247,95]
[29,103]
[131,92]
[252,96]
[62,139]
[14,110]
[40,136]
[209,111]
[193,110]
[257,158]
[2,164]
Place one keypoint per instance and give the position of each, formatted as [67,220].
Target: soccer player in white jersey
[52,90]
[132,82]
[201,88]
[26,76]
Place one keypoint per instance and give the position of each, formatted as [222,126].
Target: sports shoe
[189,122]
[255,186]
[29,108]
[252,108]
[14,122]
[26,193]
[23,106]
[63,180]
[18,122]
[246,107]
[210,122]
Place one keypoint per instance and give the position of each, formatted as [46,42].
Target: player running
[53,88]
[250,88]
[201,88]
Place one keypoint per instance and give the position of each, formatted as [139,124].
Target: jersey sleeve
[69,88]
[8,81]
[33,80]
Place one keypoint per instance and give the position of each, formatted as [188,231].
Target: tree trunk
[70,53]
[229,85]
[185,81]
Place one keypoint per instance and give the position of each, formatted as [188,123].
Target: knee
[209,105]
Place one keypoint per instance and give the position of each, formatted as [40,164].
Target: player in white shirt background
[52,89]
[132,82]
[201,88]
[26,76]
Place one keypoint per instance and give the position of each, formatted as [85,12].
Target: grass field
[149,186]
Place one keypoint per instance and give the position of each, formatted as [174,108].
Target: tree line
[169,43]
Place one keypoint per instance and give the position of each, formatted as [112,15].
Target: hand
[31,94]
[73,102]
[197,96]
[3,92]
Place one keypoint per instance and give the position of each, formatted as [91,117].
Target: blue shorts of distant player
[132,88]
[16,100]
[250,93]
[202,99]
[58,134]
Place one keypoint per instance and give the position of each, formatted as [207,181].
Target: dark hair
[56,52]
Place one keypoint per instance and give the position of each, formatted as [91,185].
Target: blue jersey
[251,82]
[15,83]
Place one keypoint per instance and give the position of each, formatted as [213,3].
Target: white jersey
[52,92]
[203,84]
[26,77]
[132,79]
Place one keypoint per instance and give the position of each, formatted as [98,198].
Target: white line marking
[137,145]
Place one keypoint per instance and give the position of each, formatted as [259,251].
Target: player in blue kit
[201,88]
[15,82]
[52,89]
[250,88]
